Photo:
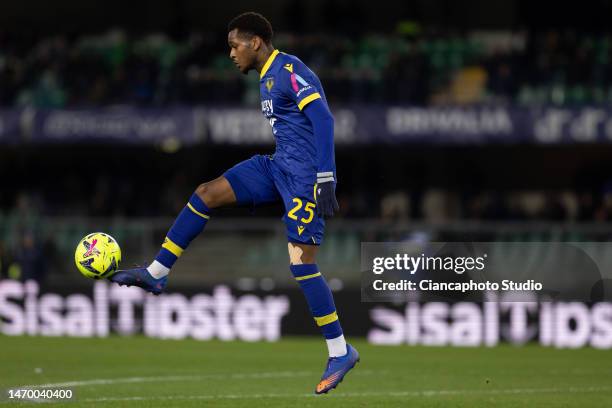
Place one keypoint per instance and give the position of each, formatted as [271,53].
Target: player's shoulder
[291,63]
[290,58]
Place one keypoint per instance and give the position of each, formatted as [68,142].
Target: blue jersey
[287,85]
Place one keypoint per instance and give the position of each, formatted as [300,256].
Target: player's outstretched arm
[323,128]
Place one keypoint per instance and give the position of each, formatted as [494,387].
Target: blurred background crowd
[414,64]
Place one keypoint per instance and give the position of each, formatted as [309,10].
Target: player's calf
[189,224]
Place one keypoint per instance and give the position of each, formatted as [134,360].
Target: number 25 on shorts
[309,208]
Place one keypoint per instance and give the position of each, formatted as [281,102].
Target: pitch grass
[142,372]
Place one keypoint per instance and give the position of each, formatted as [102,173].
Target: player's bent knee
[203,191]
[216,193]
[206,192]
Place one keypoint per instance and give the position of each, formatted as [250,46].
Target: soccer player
[301,173]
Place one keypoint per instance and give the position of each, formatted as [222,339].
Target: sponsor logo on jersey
[267,108]
[304,89]
[295,79]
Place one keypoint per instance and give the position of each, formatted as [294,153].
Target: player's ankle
[337,346]
[158,270]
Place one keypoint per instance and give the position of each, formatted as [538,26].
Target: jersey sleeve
[297,83]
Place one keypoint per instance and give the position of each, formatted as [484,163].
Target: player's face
[241,51]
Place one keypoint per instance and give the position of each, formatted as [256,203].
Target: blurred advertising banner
[358,124]
[495,124]
[141,126]
[221,312]
[10,129]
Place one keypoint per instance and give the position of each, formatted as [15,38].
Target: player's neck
[264,55]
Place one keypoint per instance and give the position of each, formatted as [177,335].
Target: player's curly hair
[254,24]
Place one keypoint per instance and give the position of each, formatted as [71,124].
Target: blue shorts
[259,180]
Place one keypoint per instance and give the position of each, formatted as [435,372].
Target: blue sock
[319,298]
[189,223]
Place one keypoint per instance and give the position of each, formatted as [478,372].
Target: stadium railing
[247,252]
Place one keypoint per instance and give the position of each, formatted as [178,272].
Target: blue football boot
[139,277]
[337,367]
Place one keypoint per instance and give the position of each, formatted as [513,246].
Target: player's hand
[326,199]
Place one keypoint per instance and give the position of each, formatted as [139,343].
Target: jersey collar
[268,63]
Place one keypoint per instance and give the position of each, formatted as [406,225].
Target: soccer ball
[97,256]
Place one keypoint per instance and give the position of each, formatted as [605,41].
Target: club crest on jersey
[269,84]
